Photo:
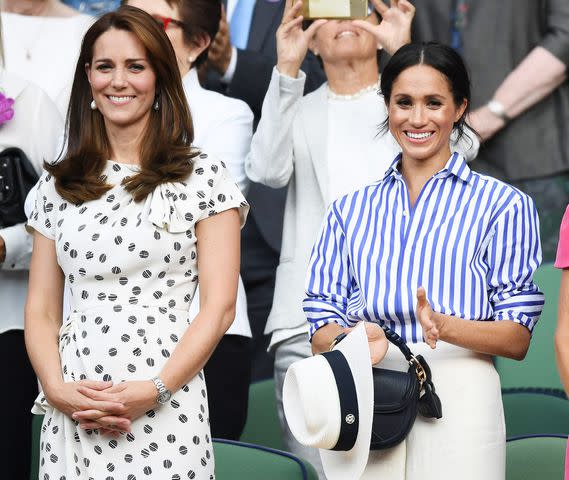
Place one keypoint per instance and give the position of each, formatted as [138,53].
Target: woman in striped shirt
[440,254]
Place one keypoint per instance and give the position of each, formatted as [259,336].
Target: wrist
[444,325]
[497,109]
[324,336]
[290,69]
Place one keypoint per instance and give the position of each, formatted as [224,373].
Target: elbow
[518,348]
[227,318]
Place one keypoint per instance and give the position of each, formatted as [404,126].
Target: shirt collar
[456,165]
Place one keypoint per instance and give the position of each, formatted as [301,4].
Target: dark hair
[166,148]
[198,17]
[442,58]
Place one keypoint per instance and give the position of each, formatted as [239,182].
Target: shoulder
[502,197]
[317,98]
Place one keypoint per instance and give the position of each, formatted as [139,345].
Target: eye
[103,67]
[136,67]
[434,103]
[404,102]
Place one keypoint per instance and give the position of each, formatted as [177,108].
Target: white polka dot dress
[132,271]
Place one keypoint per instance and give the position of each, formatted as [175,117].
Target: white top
[223,126]
[353,133]
[44,50]
[35,118]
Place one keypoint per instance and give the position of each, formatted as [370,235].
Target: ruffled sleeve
[47,203]
[177,207]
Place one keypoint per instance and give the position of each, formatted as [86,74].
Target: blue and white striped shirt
[470,240]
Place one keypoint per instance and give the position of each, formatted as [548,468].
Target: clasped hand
[431,322]
[101,405]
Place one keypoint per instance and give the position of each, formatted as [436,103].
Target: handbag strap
[396,340]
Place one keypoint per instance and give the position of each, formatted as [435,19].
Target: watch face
[164,397]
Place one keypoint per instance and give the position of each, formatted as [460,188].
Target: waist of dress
[76,314]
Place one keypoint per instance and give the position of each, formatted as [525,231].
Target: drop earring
[191,59]
[93,105]
[156,105]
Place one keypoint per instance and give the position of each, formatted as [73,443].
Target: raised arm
[270,161]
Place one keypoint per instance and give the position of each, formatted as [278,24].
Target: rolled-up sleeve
[556,39]
[514,254]
[329,278]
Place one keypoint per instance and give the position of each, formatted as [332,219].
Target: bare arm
[218,266]
[42,322]
[43,313]
[537,76]
[562,331]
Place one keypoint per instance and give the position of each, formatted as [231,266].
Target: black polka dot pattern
[131,269]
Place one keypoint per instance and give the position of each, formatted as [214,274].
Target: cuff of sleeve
[18,247]
[557,49]
[527,321]
[286,83]
[228,75]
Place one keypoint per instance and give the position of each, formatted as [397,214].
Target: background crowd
[246,77]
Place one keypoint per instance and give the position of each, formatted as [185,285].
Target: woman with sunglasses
[223,126]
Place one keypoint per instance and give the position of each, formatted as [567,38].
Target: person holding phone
[442,255]
[322,146]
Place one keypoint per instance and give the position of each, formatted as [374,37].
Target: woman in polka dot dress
[124,396]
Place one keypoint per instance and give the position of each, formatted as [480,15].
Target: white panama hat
[328,404]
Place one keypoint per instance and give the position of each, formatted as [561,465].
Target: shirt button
[404,213]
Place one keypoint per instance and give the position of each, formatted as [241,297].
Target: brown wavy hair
[166,150]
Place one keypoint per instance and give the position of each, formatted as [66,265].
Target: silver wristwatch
[163,393]
[498,109]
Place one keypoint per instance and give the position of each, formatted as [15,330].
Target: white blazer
[289,147]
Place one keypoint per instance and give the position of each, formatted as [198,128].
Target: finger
[407,7]
[292,12]
[115,423]
[86,415]
[380,6]
[311,30]
[294,23]
[89,426]
[96,385]
[421,296]
[223,13]
[368,27]
[108,407]
[97,395]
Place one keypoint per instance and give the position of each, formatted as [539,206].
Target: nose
[418,116]
[118,80]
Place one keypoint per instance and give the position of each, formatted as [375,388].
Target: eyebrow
[128,60]
[428,95]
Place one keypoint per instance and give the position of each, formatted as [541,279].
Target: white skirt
[469,442]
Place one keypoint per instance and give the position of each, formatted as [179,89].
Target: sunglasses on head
[165,21]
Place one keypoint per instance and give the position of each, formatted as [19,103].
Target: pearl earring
[191,59]
[156,105]
[93,105]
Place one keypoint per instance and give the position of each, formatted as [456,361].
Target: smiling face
[422,114]
[340,40]
[122,80]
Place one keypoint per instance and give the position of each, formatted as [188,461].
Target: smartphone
[335,9]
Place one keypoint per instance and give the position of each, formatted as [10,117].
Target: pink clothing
[562,260]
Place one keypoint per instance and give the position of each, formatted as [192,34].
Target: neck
[349,77]
[125,143]
[417,172]
[28,7]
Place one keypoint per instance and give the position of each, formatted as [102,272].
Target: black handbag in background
[17,177]
[399,396]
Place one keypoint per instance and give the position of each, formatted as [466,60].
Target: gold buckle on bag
[421,374]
